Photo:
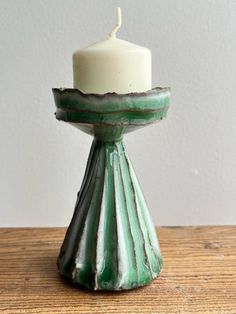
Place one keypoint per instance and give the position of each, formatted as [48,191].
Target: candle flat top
[111,44]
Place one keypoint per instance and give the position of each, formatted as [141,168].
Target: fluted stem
[111,242]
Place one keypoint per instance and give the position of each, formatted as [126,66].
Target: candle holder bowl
[111,243]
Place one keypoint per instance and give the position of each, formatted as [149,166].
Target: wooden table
[199,275]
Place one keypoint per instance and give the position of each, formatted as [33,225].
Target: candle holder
[111,243]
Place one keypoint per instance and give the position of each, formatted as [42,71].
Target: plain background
[186,164]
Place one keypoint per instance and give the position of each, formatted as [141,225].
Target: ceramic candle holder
[111,243]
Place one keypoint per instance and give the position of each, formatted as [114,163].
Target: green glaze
[109,116]
[111,242]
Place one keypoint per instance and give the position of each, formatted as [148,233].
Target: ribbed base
[111,242]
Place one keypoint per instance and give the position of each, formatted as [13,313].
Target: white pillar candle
[112,65]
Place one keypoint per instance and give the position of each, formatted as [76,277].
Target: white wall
[186,164]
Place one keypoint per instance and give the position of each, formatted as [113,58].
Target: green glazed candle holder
[111,242]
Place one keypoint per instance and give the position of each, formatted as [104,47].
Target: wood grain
[199,275]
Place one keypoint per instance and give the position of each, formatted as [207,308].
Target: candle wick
[118,23]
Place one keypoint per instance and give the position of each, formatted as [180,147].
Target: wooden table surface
[199,275]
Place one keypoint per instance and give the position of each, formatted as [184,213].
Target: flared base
[111,242]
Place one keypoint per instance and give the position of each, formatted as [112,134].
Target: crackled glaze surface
[111,242]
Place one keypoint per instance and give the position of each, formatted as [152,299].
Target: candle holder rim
[154,90]
[73,100]
[111,115]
